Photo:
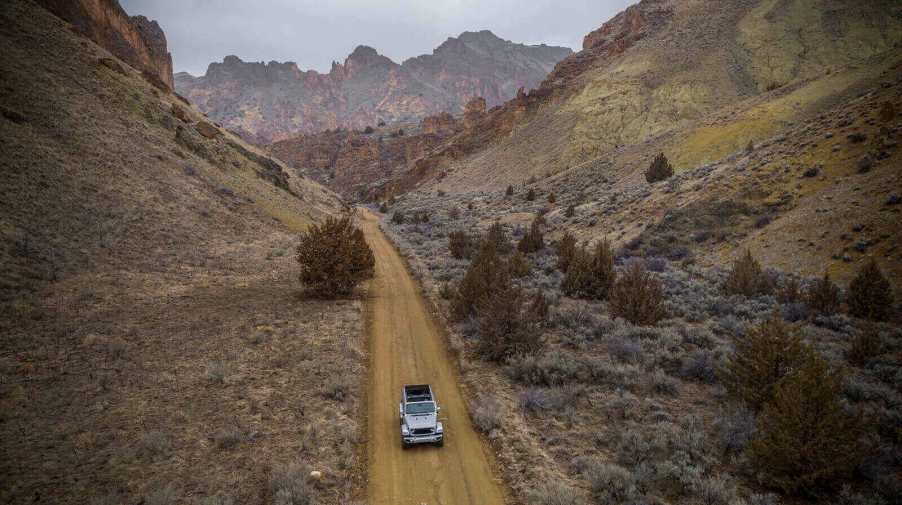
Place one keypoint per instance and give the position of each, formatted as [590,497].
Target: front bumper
[422,439]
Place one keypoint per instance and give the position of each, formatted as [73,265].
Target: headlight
[404,430]
[439,428]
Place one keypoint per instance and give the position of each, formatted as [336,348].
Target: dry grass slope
[152,344]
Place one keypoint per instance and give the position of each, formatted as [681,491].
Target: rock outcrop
[136,40]
[273,101]
[353,162]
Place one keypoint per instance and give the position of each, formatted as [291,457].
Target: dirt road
[407,347]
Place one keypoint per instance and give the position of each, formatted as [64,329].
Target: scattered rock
[846,258]
[316,475]
[894,200]
[857,137]
[857,227]
[189,170]
[180,113]
[836,147]
[225,192]
[13,116]
[812,172]
[113,65]
[828,135]
[207,130]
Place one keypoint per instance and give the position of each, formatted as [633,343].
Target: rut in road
[406,347]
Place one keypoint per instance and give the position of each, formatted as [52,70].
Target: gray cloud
[313,33]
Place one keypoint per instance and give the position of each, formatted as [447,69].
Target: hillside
[593,127]
[153,344]
[604,372]
[273,101]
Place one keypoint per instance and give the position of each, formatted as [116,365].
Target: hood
[418,421]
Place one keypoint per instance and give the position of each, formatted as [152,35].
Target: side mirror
[401,409]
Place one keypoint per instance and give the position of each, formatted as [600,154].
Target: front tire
[441,443]
[405,445]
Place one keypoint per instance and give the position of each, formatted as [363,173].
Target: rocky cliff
[273,101]
[353,162]
[136,40]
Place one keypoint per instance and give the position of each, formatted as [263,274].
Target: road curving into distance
[406,347]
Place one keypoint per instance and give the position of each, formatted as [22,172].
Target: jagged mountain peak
[276,101]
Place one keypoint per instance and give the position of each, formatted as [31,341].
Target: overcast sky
[313,33]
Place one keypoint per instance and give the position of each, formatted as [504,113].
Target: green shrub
[487,274]
[866,344]
[823,296]
[496,237]
[659,169]
[398,217]
[805,441]
[762,357]
[334,258]
[538,308]
[506,328]
[590,275]
[571,210]
[460,245]
[551,198]
[509,191]
[870,295]
[533,240]
[790,291]
[518,265]
[637,296]
[566,248]
[747,278]
[531,195]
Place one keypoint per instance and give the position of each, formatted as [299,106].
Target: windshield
[421,408]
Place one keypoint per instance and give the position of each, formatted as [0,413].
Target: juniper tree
[487,274]
[805,440]
[747,278]
[459,244]
[761,358]
[566,248]
[870,295]
[637,296]
[506,328]
[823,296]
[334,257]
[533,240]
[590,275]
[659,169]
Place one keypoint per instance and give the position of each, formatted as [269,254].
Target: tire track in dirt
[407,347]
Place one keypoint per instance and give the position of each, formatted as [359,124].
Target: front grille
[422,431]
